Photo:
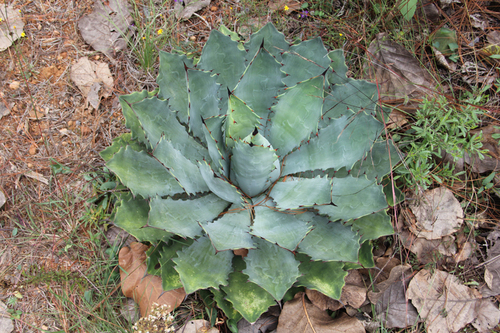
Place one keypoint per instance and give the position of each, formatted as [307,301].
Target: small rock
[6,325]
[2,199]
[213,8]
[192,38]
[14,85]
[32,150]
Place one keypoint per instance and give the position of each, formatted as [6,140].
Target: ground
[58,270]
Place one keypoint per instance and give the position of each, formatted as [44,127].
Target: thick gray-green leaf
[212,128]
[143,174]
[131,121]
[302,192]
[373,226]
[241,121]
[219,186]
[169,277]
[231,231]
[353,198]
[173,82]
[260,84]
[119,142]
[225,305]
[338,66]
[182,217]
[157,120]
[202,99]
[377,164]
[248,298]
[341,144]
[252,165]
[304,61]
[365,255]
[296,115]
[222,56]
[132,216]
[330,241]
[271,267]
[350,98]
[325,277]
[200,267]
[183,170]
[274,42]
[284,229]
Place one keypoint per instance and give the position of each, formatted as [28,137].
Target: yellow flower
[286,8]
[341,35]
[143,37]
[23,34]
[160,31]
[1,19]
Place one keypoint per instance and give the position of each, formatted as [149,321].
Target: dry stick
[305,311]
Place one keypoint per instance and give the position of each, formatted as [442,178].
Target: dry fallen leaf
[105,27]
[438,213]
[300,315]
[144,289]
[398,74]
[90,76]
[391,303]
[447,305]
[492,271]
[428,251]
[291,6]
[11,27]
[185,9]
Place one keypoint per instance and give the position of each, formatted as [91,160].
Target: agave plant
[263,146]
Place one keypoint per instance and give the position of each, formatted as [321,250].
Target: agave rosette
[264,146]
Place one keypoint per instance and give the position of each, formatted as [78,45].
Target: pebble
[6,324]
[214,8]
[32,150]
[14,85]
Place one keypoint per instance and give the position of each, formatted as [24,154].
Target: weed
[440,127]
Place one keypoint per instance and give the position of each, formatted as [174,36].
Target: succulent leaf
[252,164]
[119,142]
[219,186]
[241,121]
[286,230]
[236,223]
[183,170]
[325,277]
[200,267]
[261,83]
[203,103]
[182,217]
[373,226]
[127,102]
[353,198]
[304,61]
[271,267]
[172,81]
[289,194]
[132,216]
[158,121]
[232,315]
[170,278]
[340,144]
[379,162]
[338,66]
[221,55]
[248,298]
[143,174]
[296,115]
[365,255]
[330,241]
[271,39]
[212,128]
